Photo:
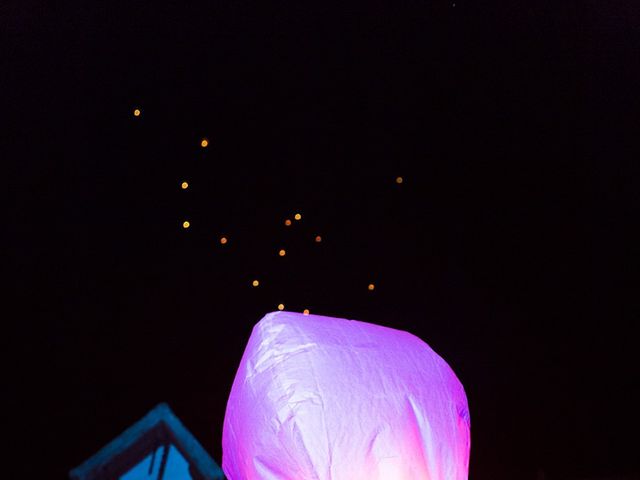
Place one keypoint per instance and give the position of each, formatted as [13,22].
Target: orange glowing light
[204,143]
[136,113]
[371,286]
[305,311]
[281,306]
[399,180]
[287,222]
[297,216]
[318,239]
[255,283]
[186,224]
[223,240]
[184,185]
[282,252]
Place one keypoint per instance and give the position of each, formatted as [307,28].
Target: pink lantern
[321,398]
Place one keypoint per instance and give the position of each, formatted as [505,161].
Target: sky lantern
[333,399]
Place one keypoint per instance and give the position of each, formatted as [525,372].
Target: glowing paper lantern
[320,398]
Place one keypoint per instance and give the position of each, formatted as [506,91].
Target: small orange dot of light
[297,216]
[371,286]
[223,240]
[204,143]
[186,224]
[305,311]
[287,222]
[399,180]
[255,283]
[184,185]
[282,253]
[136,113]
[318,238]
[281,306]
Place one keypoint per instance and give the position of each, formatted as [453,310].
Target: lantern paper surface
[320,398]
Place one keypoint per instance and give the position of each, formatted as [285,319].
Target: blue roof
[158,427]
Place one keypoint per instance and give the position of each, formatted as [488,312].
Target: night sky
[507,247]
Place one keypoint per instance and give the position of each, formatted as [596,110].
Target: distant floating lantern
[318,238]
[281,306]
[186,224]
[136,112]
[287,222]
[184,185]
[399,180]
[371,286]
[297,216]
[305,311]
[282,252]
[255,283]
[223,240]
[204,143]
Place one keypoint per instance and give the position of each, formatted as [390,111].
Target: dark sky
[507,247]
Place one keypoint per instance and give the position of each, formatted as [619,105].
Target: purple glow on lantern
[331,399]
